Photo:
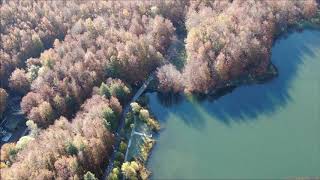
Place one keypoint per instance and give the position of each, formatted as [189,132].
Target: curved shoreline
[282,55]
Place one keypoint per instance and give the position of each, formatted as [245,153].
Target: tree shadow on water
[247,102]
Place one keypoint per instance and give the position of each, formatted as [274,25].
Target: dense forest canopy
[230,39]
[65,149]
[75,63]
[127,42]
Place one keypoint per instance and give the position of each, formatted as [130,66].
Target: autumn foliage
[65,149]
[170,79]
[127,42]
[28,27]
[76,61]
[227,40]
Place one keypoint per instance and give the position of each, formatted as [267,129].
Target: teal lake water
[269,130]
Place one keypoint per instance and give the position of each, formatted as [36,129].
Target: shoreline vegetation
[246,123]
[136,145]
[271,72]
[77,65]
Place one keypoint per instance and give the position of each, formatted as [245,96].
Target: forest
[77,63]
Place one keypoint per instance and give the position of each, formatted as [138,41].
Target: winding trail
[127,108]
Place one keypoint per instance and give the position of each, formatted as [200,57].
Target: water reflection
[246,103]
[169,99]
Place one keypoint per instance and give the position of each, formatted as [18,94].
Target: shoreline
[271,73]
[274,72]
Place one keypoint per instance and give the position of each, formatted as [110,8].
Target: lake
[269,130]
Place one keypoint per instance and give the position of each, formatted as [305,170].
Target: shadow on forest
[246,102]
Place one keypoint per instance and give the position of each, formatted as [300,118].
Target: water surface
[269,130]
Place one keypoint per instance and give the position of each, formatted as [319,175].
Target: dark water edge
[256,100]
